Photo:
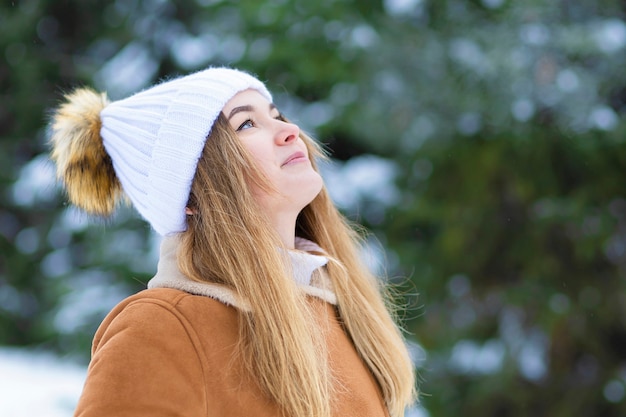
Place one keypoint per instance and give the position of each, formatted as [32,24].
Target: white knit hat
[156,137]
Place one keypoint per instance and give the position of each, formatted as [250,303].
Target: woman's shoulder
[165,305]
[168,300]
[154,313]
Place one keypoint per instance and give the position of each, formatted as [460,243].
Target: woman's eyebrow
[239,109]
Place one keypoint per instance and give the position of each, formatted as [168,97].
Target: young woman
[260,305]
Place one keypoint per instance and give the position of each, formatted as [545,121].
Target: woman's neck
[285,226]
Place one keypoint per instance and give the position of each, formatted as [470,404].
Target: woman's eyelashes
[245,125]
[248,123]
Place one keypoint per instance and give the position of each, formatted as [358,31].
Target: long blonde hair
[229,241]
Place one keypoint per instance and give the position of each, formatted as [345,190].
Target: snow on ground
[34,384]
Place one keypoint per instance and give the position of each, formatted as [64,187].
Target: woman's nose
[286,133]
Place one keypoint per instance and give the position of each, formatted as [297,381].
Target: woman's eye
[246,125]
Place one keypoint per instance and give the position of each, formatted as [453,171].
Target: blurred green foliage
[503,122]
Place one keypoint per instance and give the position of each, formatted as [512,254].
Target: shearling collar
[307,262]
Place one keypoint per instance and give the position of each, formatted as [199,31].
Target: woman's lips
[295,158]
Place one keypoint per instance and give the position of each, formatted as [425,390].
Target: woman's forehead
[250,98]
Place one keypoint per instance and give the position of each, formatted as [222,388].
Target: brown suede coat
[169,352]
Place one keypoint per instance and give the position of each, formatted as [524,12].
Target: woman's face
[278,150]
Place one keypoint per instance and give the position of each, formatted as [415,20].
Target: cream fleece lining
[307,269]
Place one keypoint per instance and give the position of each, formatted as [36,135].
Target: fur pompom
[82,162]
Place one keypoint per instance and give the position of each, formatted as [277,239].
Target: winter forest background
[481,142]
